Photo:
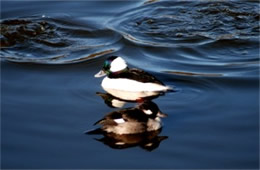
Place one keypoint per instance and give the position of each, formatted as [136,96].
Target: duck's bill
[160,114]
[100,74]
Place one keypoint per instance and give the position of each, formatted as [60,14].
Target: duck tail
[94,132]
[169,89]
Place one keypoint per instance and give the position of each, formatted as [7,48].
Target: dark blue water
[207,50]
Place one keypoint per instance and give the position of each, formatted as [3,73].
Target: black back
[135,74]
[128,114]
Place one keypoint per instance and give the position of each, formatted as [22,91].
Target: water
[207,50]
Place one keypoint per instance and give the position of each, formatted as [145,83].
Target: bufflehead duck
[120,77]
[143,118]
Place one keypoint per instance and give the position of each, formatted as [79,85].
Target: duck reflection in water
[134,126]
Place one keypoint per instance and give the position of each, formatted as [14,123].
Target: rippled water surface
[207,50]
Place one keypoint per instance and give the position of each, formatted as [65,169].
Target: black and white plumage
[120,77]
[140,119]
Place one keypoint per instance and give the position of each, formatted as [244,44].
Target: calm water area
[207,50]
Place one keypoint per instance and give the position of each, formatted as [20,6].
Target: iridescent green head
[111,65]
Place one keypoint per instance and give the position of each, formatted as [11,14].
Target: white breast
[130,95]
[131,85]
[154,124]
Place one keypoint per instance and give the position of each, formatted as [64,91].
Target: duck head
[112,64]
[151,109]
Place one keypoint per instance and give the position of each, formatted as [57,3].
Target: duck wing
[138,75]
[110,118]
[124,115]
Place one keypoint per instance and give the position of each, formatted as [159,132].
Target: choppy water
[208,50]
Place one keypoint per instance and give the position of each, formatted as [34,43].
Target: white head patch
[119,120]
[117,103]
[148,112]
[118,64]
